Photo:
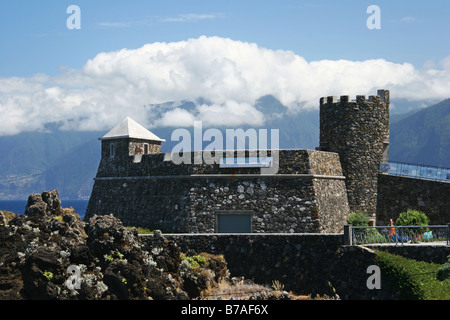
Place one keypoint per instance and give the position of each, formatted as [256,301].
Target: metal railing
[397,235]
[415,170]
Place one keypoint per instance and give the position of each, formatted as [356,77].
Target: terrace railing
[397,235]
[415,171]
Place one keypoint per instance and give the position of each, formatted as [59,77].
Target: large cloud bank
[229,75]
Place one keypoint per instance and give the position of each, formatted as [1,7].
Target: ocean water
[18,206]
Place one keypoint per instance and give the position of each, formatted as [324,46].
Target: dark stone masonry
[397,194]
[359,131]
[306,195]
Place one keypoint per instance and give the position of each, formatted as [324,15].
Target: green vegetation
[413,218]
[141,230]
[413,234]
[358,219]
[369,235]
[196,262]
[114,255]
[48,275]
[415,280]
[7,215]
[443,274]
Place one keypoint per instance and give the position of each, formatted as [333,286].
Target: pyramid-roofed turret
[129,128]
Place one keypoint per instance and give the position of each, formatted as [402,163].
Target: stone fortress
[312,191]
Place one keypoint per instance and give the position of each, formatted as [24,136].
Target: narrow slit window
[112,151]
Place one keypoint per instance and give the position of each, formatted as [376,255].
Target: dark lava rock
[50,253]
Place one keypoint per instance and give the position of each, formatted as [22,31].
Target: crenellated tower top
[359,131]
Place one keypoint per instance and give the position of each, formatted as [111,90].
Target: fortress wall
[288,161]
[142,202]
[306,195]
[190,204]
[307,263]
[333,205]
[304,263]
[298,261]
[397,194]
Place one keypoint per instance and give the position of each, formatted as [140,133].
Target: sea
[18,206]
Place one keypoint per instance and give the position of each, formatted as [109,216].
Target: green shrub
[365,235]
[358,219]
[443,274]
[195,261]
[373,236]
[413,218]
[415,280]
[141,230]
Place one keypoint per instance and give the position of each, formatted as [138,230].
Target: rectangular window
[385,151]
[145,148]
[234,221]
[112,151]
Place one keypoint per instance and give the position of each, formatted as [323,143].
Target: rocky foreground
[50,253]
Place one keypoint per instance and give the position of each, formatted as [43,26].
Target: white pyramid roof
[129,128]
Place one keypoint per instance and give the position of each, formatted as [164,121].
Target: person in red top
[391,230]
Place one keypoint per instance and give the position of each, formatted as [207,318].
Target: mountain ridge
[68,160]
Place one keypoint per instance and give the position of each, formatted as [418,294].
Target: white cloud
[177,118]
[408,19]
[186,17]
[189,17]
[115,24]
[230,75]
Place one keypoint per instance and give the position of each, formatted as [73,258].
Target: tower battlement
[382,96]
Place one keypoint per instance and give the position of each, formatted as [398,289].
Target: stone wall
[293,161]
[306,195]
[333,208]
[429,253]
[359,132]
[304,263]
[141,147]
[398,194]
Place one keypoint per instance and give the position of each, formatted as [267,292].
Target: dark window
[112,151]
[234,222]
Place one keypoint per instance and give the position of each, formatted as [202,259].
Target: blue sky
[34,36]
[131,55]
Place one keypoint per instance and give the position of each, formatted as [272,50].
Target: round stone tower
[358,131]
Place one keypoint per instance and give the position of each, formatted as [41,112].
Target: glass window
[234,222]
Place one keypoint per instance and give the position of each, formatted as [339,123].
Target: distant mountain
[295,131]
[27,158]
[31,162]
[73,173]
[422,137]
